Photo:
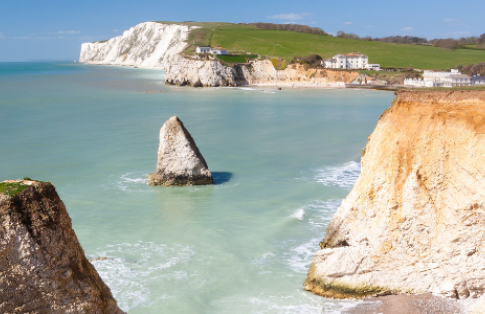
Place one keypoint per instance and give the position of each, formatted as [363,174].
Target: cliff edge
[42,265]
[415,220]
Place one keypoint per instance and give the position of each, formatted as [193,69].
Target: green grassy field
[236,58]
[286,45]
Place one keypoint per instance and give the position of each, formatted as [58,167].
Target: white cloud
[407,28]
[2,36]
[115,30]
[370,26]
[287,16]
[348,23]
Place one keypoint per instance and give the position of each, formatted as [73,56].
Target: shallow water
[282,162]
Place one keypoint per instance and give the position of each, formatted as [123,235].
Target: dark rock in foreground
[179,160]
[42,265]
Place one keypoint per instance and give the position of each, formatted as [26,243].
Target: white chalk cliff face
[415,220]
[157,45]
[148,45]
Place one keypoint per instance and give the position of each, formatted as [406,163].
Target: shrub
[313,59]
[279,64]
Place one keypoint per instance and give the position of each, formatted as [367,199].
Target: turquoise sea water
[282,160]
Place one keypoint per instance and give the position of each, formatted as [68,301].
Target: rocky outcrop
[147,45]
[42,265]
[183,71]
[179,160]
[158,45]
[415,220]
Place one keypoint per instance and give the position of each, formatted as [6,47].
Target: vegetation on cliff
[286,44]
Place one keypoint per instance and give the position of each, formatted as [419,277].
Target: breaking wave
[131,270]
[343,176]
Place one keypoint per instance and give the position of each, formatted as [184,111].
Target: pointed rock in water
[179,160]
[42,265]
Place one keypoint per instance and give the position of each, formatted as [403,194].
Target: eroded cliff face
[183,71]
[415,220]
[42,265]
[157,45]
[148,45]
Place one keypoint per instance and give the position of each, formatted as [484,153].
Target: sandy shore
[411,304]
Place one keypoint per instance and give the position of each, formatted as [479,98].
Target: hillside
[287,44]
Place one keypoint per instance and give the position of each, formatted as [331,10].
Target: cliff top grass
[288,44]
[14,187]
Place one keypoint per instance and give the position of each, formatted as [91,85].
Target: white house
[347,61]
[203,49]
[478,80]
[441,79]
[218,51]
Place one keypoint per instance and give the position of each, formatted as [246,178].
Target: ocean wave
[343,176]
[299,258]
[131,270]
[299,214]
[131,181]
[317,214]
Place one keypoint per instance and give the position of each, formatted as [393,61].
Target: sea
[282,162]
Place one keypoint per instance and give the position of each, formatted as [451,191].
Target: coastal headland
[414,221]
[258,56]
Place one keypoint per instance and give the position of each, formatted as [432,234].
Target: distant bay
[282,162]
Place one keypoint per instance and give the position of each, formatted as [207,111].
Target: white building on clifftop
[440,79]
[346,61]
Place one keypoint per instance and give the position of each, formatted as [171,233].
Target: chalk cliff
[183,71]
[42,265]
[158,45]
[415,220]
[179,159]
[148,45]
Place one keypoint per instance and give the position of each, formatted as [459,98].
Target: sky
[54,30]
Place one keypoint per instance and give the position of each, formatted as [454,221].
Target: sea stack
[179,160]
[415,220]
[42,265]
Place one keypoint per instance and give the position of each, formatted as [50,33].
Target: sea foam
[343,176]
[130,270]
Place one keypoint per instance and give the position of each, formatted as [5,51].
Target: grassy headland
[288,44]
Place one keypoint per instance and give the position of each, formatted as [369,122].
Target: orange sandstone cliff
[415,220]
[42,265]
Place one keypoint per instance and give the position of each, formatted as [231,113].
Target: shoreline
[339,85]
[417,304]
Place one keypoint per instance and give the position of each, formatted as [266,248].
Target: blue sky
[54,30]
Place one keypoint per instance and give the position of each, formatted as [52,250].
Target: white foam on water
[322,212]
[300,257]
[299,214]
[132,182]
[343,176]
[317,214]
[130,270]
